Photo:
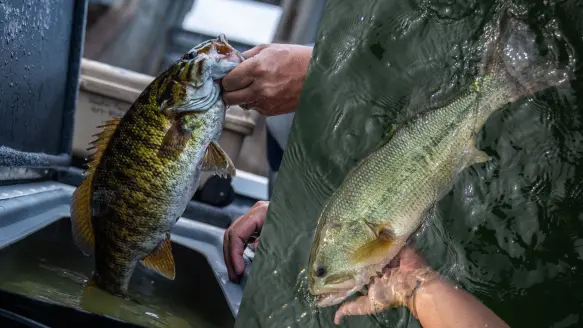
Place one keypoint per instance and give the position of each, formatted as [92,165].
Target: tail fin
[515,53]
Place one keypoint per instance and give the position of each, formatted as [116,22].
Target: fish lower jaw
[334,298]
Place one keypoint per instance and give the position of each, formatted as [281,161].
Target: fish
[146,167]
[388,194]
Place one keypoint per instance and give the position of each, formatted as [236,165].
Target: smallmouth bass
[385,197]
[147,164]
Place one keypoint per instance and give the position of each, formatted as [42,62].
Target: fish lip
[330,299]
[343,286]
[236,57]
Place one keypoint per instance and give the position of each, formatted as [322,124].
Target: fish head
[212,59]
[331,275]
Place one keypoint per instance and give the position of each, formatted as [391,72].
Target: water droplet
[152,314]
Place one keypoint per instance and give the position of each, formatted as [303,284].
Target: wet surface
[39,61]
[48,266]
[510,231]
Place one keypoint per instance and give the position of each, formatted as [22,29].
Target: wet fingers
[361,306]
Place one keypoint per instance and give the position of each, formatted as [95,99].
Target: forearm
[439,304]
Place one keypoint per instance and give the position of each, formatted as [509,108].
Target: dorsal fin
[81,202]
[100,143]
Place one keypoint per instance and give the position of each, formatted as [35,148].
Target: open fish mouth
[335,294]
[333,298]
[324,300]
[338,287]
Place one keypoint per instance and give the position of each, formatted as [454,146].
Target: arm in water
[437,303]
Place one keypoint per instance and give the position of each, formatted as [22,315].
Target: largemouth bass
[146,167]
[385,197]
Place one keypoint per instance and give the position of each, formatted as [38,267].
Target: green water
[510,231]
[48,266]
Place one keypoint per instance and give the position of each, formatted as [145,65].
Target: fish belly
[135,217]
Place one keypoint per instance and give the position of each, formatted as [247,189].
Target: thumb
[254,51]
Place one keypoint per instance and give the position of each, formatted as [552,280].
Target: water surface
[48,266]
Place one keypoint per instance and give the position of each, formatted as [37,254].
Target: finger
[227,240]
[226,255]
[254,51]
[251,222]
[361,306]
[259,203]
[236,248]
[240,77]
[238,97]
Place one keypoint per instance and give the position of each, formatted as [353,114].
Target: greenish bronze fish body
[384,199]
[146,167]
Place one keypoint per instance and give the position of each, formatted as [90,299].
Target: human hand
[395,287]
[270,80]
[238,235]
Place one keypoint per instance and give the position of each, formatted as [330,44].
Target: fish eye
[189,55]
[320,271]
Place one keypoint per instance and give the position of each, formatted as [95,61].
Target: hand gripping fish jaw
[336,272]
[192,85]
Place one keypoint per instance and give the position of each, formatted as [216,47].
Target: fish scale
[147,166]
[386,196]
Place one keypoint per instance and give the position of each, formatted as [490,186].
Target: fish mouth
[340,285]
[235,57]
[330,299]
[337,297]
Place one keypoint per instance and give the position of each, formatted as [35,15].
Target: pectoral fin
[161,260]
[376,248]
[476,156]
[479,157]
[174,141]
[216,160]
